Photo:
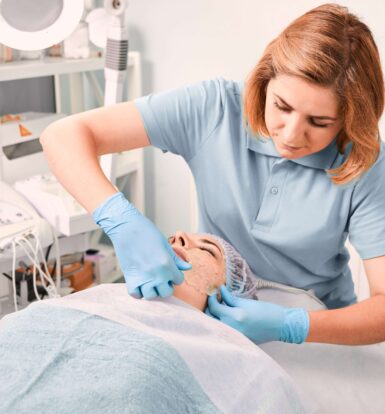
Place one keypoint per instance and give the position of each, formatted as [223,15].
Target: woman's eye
[318,125]
[207,250]
[281,108]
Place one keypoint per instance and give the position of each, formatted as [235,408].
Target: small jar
[31,54]
[6,54]
[56,50]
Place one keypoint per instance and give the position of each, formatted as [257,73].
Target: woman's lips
[180,252]
[288,148]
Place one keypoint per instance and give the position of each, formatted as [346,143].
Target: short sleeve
[367,220]
[180,120]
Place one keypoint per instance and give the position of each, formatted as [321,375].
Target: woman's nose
[294,133]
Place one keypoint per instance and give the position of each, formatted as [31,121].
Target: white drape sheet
[237,376]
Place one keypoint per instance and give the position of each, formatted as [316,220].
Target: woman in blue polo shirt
[287,166]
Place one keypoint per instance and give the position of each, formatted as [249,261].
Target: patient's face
[208,266]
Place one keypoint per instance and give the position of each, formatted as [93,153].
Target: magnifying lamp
[38,24]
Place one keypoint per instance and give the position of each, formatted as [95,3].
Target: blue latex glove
[260,321]
[149,264]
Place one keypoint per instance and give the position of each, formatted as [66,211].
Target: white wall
[186,41]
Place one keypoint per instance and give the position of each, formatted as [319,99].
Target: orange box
[82,277]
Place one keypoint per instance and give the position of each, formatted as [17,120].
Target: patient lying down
[117,354]
[214,262]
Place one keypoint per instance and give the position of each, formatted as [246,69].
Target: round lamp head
[38,24]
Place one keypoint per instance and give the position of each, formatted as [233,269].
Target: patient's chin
[203,280]
[191,295]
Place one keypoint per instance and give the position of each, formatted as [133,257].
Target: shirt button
[274,190]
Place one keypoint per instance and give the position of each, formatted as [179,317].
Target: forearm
[72,157]
[359,324]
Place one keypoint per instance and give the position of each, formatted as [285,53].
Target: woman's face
[302,118]
[208,266]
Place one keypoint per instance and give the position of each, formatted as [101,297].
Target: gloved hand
[149,264]
[260,321]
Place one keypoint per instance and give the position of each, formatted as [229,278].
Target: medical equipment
[21,154]
[22,163]
[27,25]
[115,68]
[18,217]
[97,20]
[23,234]
[55,204]
[44,12]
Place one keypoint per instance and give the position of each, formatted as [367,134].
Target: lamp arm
[115,68]
[116,51]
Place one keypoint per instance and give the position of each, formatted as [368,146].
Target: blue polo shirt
[286,217]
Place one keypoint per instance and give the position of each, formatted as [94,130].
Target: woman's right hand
[149,264]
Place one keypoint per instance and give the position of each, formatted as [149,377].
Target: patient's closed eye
[216,252]
[207,250]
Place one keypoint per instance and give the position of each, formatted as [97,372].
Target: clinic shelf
[50,66]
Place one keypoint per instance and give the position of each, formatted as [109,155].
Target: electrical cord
[57,263]
[14,275]
[48,252]
[47,273]
[32,253]
[7,276]
[34,273]
[42,293]
[35,260]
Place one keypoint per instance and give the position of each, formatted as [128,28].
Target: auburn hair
[331,47]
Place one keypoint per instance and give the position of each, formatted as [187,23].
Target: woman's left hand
[260,321]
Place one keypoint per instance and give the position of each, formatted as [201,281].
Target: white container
[76,46]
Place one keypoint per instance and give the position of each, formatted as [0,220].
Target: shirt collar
[327,158]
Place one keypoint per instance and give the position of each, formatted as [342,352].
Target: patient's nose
[181,239]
